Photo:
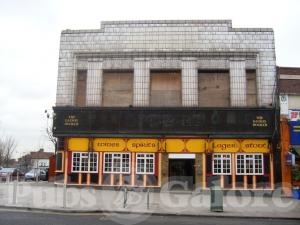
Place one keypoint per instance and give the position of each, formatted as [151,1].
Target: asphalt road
[41,218]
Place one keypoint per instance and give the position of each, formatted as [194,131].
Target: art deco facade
[144,103]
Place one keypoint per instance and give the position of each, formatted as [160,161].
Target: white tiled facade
[94,84]
[184,45]
[141,82]
[237,82]
[189,82]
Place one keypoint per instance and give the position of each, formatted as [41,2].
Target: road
[41,218]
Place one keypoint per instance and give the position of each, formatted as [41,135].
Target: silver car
[35,174]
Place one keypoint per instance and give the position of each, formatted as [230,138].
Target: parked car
[11,174]
[35,174]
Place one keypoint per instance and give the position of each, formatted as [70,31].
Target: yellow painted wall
[225,145]
[78,144]
[255,145]
[109,144]
[143,145]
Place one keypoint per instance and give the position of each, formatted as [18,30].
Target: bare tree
[7,147]
[49,128]
[1,152]
[1,149]
[25,162]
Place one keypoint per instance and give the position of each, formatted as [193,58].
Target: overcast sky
[29,46]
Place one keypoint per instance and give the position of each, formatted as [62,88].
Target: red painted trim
[65,140]
[156,161]
[69,161]
[52,167]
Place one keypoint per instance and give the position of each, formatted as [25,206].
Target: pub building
[145,103]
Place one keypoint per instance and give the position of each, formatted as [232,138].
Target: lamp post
[36,171]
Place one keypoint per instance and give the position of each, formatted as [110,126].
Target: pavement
[47,197]
[17,217]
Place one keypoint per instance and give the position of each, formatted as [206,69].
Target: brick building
[289,95]
[38,159]
[143,103]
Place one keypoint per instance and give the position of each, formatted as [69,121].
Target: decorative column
[141,84]
[189,79]
[266,80]
[94,84]
[238,83]
[66,81]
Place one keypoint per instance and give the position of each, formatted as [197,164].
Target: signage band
[170,145]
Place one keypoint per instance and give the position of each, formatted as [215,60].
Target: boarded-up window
[165,88]
[251,88]
[214,89]
[81,88]
[59,161]
[117,88]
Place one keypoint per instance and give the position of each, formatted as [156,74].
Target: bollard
[148,197]
[125,198]
[64,196]
[14,192]
[216,199]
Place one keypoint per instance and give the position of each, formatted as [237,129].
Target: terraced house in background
[146,103]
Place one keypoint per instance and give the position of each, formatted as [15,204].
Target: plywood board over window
[251,88]
[214,88]
[117,88]
[165,88]
[81,87]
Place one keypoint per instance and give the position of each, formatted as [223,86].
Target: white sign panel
[182,156]
[284,105]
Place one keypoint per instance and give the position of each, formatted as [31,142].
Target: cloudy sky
[29,46]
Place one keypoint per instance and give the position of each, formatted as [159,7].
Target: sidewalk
[48,197]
